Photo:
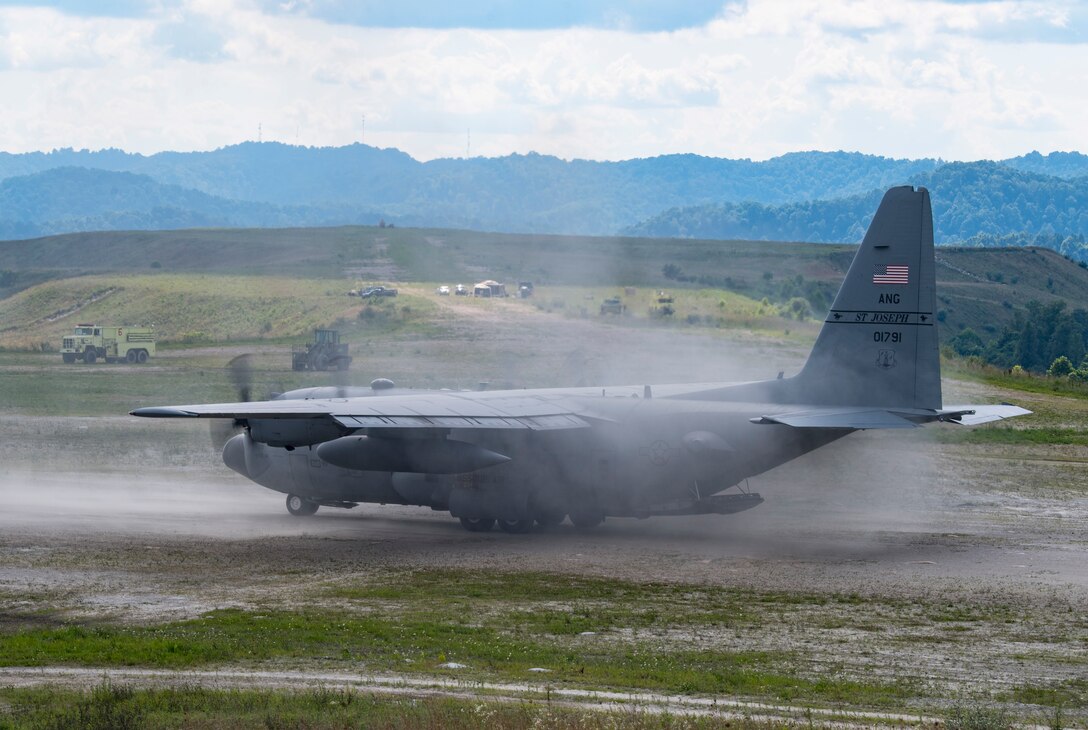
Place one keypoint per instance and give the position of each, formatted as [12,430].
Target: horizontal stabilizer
[849,418]
[974,415]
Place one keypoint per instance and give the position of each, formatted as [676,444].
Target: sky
[593,79]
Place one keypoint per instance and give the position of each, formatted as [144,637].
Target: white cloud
[923,78]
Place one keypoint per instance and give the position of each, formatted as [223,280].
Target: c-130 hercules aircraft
[538,456]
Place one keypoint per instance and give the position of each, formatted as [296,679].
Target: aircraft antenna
[362,131]
[258,132]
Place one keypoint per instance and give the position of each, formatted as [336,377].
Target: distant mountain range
[812,196]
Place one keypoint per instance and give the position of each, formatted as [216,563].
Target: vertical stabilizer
[878,345]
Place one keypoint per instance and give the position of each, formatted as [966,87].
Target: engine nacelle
[244,456]
[292,432]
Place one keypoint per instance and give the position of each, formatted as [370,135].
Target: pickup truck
[377,291]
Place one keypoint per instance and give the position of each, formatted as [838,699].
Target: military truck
[93,342]
[326,352]
[613,305]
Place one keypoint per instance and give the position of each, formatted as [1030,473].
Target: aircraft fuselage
[642,456]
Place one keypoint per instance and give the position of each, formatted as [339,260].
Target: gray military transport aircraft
[521,457]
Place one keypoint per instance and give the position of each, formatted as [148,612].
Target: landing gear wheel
[515,527]
[141,356]
[546,518]
[587,520]
[481,525]
[131,356]
[300,507]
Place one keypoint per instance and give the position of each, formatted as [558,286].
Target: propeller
[342,381]
[240,370]
[240,373]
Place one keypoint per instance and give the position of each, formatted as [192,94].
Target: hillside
[69,199]
[978,288]
[972,202]
[183,308]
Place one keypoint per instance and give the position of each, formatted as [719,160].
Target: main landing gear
[483,524]
[300,506]
[587,519]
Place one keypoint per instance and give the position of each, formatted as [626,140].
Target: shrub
[1060,368]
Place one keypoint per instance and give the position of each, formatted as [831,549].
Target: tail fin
[878,345]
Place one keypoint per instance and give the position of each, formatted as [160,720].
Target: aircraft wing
[430,410]
[872,418]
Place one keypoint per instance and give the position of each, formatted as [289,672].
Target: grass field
[184,309]
[113,707]
[585,632]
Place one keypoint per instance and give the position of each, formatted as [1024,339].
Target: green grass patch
[1022,381]
[585,631]
[1012,436]
[397,643]
[1071,694]
[685,307]
[115,707]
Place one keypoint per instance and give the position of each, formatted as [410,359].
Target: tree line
[1042,338]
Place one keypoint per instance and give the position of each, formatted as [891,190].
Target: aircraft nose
[234,454]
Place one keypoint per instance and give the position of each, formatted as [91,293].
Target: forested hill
[979,203]
[804,195]
[76,199]
[516,193]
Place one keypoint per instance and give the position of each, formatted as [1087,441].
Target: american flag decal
[891,274]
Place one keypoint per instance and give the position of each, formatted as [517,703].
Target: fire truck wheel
[131,356]
[141,356]
[90,356]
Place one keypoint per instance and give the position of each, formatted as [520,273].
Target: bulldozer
[325,352]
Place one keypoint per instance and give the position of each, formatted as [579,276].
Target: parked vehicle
[92,342]
[612,305]
[326,352]
[377,291]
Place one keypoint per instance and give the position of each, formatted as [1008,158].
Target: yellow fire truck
[93,342]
